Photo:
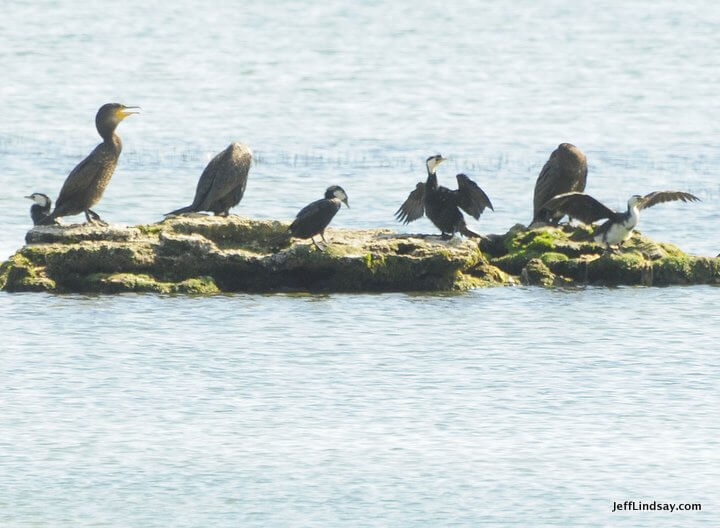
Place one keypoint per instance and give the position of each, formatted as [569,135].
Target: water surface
[505,407]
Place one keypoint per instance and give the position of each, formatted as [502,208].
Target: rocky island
[207,254]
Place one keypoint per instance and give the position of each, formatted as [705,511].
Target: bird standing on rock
[86,184]
[222,183]
[314,218]
[619,226]
[442,205]
[565,171]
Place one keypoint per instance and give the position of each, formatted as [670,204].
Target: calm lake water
[503,407]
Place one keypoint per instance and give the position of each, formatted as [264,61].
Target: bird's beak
[128,110]
[346,203]
[442,159]
[28,197]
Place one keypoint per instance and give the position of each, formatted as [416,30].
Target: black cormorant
[85,185]
[222,183]
[314,218]
[440,204]
[565,171]
[619,226]
[41,208]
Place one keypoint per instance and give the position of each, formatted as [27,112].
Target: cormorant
[619,226]
[85,185]
[440,204]
[565,171]
[222,183]
[41,208]
[314,218]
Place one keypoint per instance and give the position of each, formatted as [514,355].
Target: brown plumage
[222,183]
[588,209]
[86,184]
[564,172]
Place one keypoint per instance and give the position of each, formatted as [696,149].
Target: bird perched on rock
[314,218]
[442,205]
[619,226]
[565,171]
[86,184]
[222,183]
[41,208]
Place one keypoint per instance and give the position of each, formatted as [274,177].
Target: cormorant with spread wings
[619,226]
[442,205]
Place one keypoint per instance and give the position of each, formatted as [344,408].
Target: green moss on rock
[20,274]
[552,257]
[205,254]
[673,270]
[615,269]
[143,283]
[537,273]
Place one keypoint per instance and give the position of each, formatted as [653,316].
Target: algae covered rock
[568,255]
[536,272]
[206,254]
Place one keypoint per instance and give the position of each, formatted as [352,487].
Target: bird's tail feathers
[188,209]
[466,231]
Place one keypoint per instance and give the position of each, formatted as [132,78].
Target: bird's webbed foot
[318,246]
[446,236]
[94,218]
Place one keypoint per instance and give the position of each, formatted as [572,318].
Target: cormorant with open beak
[314,218]
[86,184]
[619,226]
[442,205]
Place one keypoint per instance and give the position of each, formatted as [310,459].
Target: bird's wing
[316,211]
[658,197]
[579,205]
[548,182]
[311,209]
[226,172]
[471,198]
[81,177]
[414,207]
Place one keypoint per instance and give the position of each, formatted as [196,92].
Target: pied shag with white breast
[314,218]
[442,205]
[619,226]
[41,208]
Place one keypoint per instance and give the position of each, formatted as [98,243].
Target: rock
[207,254]
[536,272]
[81,232]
